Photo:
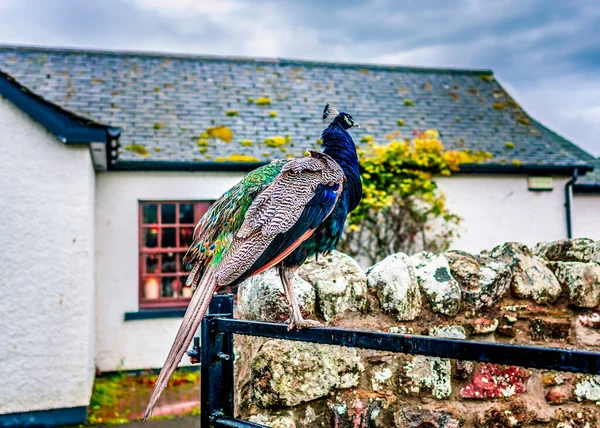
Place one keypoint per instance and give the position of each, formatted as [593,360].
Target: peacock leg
[296,320]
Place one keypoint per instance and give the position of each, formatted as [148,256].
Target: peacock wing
[282,216]
[215,230]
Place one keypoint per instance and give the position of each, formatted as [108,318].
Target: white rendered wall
[500,208]
[586,216]
[46,268]
[141,343]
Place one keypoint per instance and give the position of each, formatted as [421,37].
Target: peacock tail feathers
[215,231]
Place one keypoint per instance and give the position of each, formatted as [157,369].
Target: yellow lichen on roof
[263,101]
[277,141]
[137,148]
[223,133]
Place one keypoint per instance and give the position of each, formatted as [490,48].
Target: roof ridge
[238,58]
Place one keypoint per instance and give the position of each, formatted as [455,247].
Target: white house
[109,159]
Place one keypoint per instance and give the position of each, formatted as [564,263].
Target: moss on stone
[231,113]
[246,143]
[487,77]
[158,125]
[516,162]
[250,99]
[400,122]
[263,101]
[509,145]
[202,142]
[157,149]
[273,114]
[498,106]
[409,103]
[457,119]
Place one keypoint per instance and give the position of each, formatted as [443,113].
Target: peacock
[276,216]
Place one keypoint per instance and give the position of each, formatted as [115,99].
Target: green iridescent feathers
[221,222]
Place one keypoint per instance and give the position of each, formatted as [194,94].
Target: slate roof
[164,103]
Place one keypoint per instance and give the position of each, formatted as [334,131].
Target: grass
[121,398]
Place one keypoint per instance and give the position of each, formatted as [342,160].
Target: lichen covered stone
[274,420]
[395,283]
[431,374]
[483,281]
[289,373]
[339,282]
[531,279]
[261,298]
[436,282]
[419,418]
[587,388]
[570,250]
[581,281]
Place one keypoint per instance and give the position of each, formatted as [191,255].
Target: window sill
[151,314]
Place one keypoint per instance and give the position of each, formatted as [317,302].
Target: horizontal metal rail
[227,422]
[572,360]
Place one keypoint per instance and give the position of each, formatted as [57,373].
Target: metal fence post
[216,359]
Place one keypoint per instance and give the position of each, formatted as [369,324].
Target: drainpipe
[568,198]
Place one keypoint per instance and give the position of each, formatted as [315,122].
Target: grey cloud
[545,51]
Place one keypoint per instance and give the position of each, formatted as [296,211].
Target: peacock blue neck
[338,144]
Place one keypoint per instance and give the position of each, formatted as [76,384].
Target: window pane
[185,291]
[152,288]
[150,237]
[186,213]
[150,213]
[169,263]
[168,237]
[167,290]
[186,236]
[167,212]
[152,263]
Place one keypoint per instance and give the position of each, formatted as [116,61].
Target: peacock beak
[356,125]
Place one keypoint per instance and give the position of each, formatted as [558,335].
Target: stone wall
[546,296]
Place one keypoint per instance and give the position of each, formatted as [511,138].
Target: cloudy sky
[545,52]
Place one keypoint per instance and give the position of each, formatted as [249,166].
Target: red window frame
[180,272]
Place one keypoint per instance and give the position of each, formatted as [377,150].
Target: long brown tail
[191,321]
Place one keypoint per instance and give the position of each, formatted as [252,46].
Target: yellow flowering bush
[402,208]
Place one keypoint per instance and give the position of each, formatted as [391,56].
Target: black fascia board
[67,126]
[122,165]
[523,169]
[586,188]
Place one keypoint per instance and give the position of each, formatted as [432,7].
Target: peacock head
[343,118]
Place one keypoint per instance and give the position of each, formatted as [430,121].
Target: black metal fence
[214,350]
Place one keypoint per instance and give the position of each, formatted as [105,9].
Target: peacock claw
[302,323]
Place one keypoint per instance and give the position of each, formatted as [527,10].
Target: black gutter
[150,165]
[568,197]
[69,127]
[523,169]
[586,188]
[185,166]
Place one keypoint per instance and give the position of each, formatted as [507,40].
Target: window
[166,232]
